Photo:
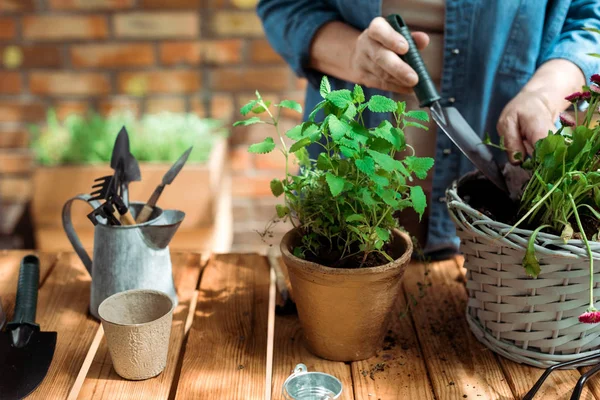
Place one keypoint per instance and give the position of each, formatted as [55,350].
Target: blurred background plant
[89,139]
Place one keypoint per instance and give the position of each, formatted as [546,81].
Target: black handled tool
[450,121]
[25,352]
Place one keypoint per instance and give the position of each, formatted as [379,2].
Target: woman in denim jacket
[506,65]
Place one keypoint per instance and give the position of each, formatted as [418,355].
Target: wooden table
[220,349]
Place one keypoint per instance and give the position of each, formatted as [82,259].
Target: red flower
[586,96]
[590,317]
[573,98]
[566,120]
[595,78]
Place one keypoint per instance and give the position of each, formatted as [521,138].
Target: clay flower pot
[343,311]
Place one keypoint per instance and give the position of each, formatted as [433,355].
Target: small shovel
[25,352]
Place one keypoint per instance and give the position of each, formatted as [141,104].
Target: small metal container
[304,385]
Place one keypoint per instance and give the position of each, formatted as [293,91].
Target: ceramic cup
[137,325]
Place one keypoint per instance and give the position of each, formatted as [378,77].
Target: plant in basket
[531,279]
[345,255]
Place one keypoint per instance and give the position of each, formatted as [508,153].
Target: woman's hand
[531,114]
[375,60]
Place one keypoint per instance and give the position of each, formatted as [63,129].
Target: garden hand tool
[125,164]
[107,190]
[166,180]
[25,352]
[450,121]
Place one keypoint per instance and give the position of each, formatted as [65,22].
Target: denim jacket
[491,49]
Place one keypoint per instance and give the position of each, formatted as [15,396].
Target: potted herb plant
[345,254]
[72,153]
[530,262]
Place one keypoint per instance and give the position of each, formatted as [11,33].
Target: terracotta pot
[343,312]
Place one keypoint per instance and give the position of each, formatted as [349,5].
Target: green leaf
[249,121]
[302,143]
[357,94]
[383,234]
[292,105]
[354,144]
[298,252]
[350,112]
[418,199]
[380,180]
[313,113]
[337,128]
[276,187]
[389,197]
[248,107]
[379,103]
[336,184]
[303,157]
[259,109]
[399,134]
[295,133]
[367,198]
[366,165]
[355,218]
[343,167]
[347,151]
[323,162]
[401,106]
[597,55]
[418,114]
[416,125]
[282,210]
[340,98]
[325,87]
[385,161]
[385,131]
[419,165]
[264,147]
[487,139]
[530,261]
[595,30]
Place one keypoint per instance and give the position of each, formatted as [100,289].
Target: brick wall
[202,56]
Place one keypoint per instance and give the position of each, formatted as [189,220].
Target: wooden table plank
[398,371]
[63,307]
[458,364]
[593,384]
[10,262]
[102,382]
[225,355]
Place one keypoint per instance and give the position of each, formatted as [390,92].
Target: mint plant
[343,201]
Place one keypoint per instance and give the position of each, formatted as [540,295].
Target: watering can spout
[159,233]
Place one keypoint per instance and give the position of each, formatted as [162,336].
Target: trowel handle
[27,292]
[425,89]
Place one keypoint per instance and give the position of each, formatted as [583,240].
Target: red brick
[33,55]
[112,55]
[144,25]
[273,161]
[13,139]
[166,4]
[244,4]
[268,78]
[251,186]
[262,52]
[193,53]
[64,27]
[236,23]
[221,107]
[240,159]
[10,82]
[8,28]
[91,4]
[157,104]
[68,83]
[64,108]
[118,105]
[16,5]
[173,81]
[21,111]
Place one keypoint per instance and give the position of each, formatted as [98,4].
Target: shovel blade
[23,369]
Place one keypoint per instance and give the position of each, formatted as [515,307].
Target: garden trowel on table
[450,121]
[25,352]
[125,165]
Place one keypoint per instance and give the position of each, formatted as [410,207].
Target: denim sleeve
[574,43]
[290,26]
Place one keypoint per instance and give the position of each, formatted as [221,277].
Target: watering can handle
[70,229]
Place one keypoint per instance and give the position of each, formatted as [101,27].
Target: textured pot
[344,312]
[137,325]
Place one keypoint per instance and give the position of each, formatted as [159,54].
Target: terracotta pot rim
[312,266]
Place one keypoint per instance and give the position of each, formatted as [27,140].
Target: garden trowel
[450,121]
[125,165]
[25,352]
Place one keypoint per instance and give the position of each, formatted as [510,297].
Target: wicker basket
[530,321]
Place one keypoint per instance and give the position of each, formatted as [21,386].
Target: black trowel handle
[425,89]
[27,293]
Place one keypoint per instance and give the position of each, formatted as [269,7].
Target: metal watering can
[127,256]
